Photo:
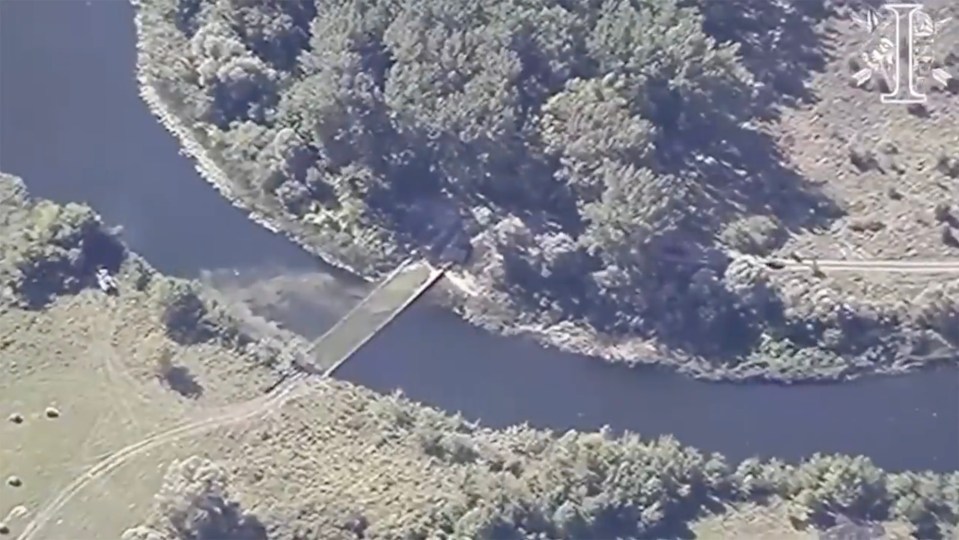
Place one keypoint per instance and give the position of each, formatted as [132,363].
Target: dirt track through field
[879,265]
[232,414]
[892,266]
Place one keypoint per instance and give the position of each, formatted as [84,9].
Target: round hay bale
[52,412]
[4,528]
[16,418]
[14,481]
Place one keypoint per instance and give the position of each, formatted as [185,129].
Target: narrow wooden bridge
[381,306]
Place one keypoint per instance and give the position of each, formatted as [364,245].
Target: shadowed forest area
[590,149]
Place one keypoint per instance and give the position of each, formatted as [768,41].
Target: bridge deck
[394,294]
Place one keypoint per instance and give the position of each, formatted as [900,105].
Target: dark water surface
[73,126]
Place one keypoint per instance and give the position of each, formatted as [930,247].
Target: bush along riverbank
[51,250]
[603,198]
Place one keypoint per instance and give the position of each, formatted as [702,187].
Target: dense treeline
[523,483]
[595,145]
[50,249]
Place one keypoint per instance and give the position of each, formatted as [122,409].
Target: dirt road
[228,415]
[872,265]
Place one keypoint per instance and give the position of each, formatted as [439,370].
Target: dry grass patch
[80,377]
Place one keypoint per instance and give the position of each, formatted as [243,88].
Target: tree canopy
[620,136]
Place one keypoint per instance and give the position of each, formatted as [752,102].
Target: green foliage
[937,308]
[138,272]
[826,485]
[238,85]
[606,145]
[48,249]
[184,313]
[190,317]
[921,499]
[598,486]
[753,235]
[194,504]
[524,483]
[434,97]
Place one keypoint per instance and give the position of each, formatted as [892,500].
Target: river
[72,125]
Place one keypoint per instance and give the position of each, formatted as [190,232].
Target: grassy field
[93,358]
[890,204]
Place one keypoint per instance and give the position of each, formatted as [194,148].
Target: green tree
[827,485]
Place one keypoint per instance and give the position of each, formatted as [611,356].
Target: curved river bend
[72,125]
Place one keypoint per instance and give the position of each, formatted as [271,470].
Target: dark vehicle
[451,246]
[775,265]
[458,250]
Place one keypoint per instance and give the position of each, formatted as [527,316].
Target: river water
[72,125]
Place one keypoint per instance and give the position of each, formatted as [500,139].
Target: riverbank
[778,340]
[572,339]
[207,169]
[471,302]
[568,337]
[385,459]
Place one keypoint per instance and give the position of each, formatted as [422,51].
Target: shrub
[753,235]
[183,312]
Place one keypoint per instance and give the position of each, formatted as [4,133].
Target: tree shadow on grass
[731,155]
[738,171]
[741,173]
[234,524]
[748,174]
[183,382]
[779,41]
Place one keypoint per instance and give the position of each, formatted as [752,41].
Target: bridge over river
[384,303]
[413,277]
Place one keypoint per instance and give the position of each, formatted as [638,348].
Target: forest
[602,158]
